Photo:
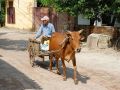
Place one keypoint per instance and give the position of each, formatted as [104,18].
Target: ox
[64,46]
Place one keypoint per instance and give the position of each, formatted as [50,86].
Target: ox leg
[75,70]
[57,66]
[64,70]
[51,59]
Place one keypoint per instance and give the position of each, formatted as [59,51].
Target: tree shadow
[2,33]
[12,79]
[18,45]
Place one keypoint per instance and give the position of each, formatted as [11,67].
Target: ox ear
[82,37]
[80,31]
[68,33]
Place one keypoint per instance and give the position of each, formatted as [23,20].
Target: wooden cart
[35,51]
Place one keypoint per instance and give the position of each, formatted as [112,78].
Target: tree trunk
[113,21]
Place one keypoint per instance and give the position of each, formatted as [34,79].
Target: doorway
[10,13]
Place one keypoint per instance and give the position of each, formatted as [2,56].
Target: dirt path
[97,69]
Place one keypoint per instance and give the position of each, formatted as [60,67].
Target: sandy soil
[97,69]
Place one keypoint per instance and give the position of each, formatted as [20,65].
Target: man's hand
[32,39]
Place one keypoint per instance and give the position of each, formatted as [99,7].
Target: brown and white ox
[64,46]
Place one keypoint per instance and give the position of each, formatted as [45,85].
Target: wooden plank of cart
[35,50]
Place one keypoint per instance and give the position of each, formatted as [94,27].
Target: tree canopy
[89,8]
[45,3]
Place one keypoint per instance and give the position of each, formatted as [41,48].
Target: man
[98,21]
[46,29]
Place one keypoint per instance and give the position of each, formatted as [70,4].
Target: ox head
[74,39]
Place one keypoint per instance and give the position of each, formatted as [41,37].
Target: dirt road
[97,69]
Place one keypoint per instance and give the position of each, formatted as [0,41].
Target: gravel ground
[97,69]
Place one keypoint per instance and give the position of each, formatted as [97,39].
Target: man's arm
[53,29]
[38,34]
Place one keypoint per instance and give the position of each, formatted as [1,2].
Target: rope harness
[62,44]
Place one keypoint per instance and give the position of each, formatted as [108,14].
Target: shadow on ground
[12,79]
[2,33]
[18,45]
[69,72]
[42,64]
[80,77]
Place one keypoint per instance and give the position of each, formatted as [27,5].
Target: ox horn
[68,32]
[80,31]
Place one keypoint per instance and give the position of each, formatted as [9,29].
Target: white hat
[45,18]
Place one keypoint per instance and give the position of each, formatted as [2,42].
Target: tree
[45,3]
[89,8]
[2,12]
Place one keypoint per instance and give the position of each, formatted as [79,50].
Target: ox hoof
[33,64]
[58,73]
[76,82]
[64,79]
[50,69]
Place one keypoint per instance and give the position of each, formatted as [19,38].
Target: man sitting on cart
[46,29]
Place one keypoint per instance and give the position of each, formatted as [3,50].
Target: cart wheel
[32,56]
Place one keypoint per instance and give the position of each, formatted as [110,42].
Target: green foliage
[45,3]
[89,8]
[69,6]
[2,13]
